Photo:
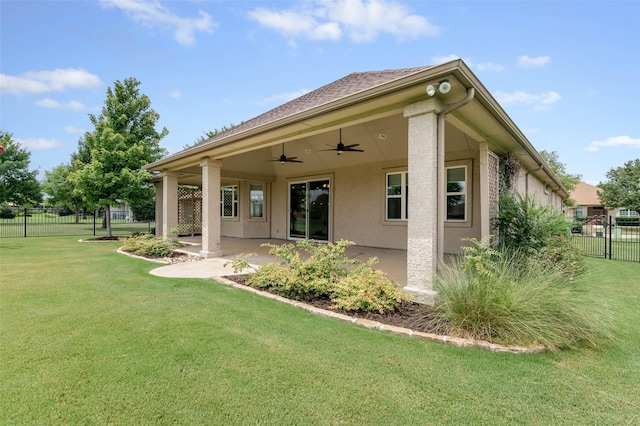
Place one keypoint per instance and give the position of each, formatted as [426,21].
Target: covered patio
[391,261]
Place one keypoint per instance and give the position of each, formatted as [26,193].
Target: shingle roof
[585,195]
[346,86]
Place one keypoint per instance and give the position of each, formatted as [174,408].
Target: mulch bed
[407,315]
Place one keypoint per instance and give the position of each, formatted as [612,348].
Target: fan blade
[352,150]
[348,147]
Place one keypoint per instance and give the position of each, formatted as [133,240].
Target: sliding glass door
[309,210]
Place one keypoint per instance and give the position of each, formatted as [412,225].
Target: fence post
[25,222]
[610,240]
[95,213]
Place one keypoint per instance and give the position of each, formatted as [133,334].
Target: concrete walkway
[393,262]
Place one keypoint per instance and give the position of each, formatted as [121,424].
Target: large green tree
[124,140]
[61,190]
[18,184]
[622,188]
[567,179]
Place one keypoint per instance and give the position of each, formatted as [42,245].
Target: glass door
[309,210]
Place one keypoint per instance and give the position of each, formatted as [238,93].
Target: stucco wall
[244,226]
[358,205]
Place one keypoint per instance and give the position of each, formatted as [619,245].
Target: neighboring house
[421,175]
[587,204]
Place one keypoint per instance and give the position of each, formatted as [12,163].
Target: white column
[422,231]
[210,208]
[169,203]
[159,208]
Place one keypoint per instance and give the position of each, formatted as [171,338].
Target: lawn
[89,337]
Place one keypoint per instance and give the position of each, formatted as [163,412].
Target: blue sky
[567,73]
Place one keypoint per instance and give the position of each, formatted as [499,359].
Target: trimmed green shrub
[627,221]
[366,290]
[149,245]
[311,270]
[504,298]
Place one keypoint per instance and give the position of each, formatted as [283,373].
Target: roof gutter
[442,182]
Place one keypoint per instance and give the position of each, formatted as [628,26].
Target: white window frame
[403,196]
[251,201]
[234,202]
[464,193]
[628,213]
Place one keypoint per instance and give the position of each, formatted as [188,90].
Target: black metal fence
[52,222]
[608,237]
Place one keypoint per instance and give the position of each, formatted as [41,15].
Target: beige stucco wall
[244,226]
[358,205]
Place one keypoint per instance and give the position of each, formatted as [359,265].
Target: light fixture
[382,137]
[443,87]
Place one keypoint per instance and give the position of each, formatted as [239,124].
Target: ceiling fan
[340,148]
[284,159]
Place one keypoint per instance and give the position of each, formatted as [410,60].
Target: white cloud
[527,62]
[154,15]
[39,144]
[176,94]
[282,97]
[75,130]
[623,141]
[540,101]
[57,80]
[361,20]
[71,105]
[490,66]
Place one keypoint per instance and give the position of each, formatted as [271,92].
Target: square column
[210,208]
[422,227]
[169,203]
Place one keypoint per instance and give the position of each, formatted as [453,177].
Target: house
[588,204]
[404,159]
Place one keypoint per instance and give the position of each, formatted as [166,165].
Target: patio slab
[392,262]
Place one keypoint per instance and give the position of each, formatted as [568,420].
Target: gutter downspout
[442,183]
[526,181]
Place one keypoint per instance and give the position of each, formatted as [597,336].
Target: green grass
[89,337]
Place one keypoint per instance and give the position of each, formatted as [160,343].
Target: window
[397,196]
[457,193]
[579,211]
[229,201]
[256,194]
[628,213]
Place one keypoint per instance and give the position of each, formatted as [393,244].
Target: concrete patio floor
[392,262]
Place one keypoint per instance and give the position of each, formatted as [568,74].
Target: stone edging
[447,340]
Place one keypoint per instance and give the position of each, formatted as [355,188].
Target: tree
[61,190]
[210,134]
[18,185]
[568,180]
[622,188]
[124,140]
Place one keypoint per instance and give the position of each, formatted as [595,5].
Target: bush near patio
[326,272]
[523,290]
[508,297]
[149,245]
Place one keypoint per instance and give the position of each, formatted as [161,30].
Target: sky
[566,72]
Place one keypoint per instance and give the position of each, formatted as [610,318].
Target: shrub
[6,212]
[499,297]
[311,270]
[524,225]
[148,245]
[367,290]
[538,232]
